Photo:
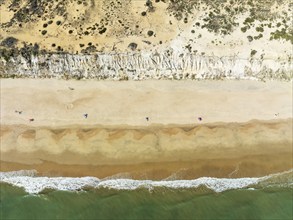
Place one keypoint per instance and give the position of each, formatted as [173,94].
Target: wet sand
[221,150]
[248,166]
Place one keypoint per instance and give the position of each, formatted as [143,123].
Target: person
[147,118]
[200,118]
[85,115]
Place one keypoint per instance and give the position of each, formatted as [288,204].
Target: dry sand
[246,127]
[53,103]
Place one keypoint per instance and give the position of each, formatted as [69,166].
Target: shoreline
[248,166]
[247,149]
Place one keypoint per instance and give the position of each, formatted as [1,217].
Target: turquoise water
[159,203]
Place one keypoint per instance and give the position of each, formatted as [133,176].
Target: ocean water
[24,195]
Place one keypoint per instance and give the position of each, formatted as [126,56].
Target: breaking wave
[33,184]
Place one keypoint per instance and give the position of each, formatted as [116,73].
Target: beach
[57,103]
[155,109]
[146,130]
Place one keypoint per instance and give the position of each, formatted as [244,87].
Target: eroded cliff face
[157,39]
[140,66]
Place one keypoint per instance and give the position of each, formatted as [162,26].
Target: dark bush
[132,46]
[150,33]
[9,42]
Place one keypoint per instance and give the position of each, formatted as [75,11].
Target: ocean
[24,195]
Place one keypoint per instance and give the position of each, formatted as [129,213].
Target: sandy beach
[151,109]
[58,103]
[147,129]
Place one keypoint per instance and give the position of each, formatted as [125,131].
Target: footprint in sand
[69,106]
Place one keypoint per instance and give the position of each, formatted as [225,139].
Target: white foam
[216,184]
[29,180]
[34,184]
[38,184]
[18,173]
